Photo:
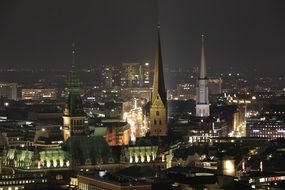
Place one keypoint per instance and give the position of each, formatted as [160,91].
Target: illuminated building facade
[73,115]
[158,108]
[115,133]
[135,75]
[185,91]
[25,159]
[111,77]
[9,90]
[202,99]
[140,93]
[34,180]
[39,94]
[140,154]
[267,129]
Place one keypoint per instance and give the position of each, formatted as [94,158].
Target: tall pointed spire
[73,114]
[203,60]
[158,78]
[74,104]
[158,108]
[202,99]
[73,84]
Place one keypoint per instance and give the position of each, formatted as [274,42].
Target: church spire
[158,108]
[73,84]
[202,98]
[158,78]
[203,72]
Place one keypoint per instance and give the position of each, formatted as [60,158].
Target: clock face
[157,103]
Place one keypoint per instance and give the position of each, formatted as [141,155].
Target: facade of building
[35,180]
[115,133]
[140,93]
[158,107]
[39,94]
[185,91]
[111,77]
[140,154]
[267,129]
[135,75]
[73,115]
[9,90]
[202,100]
[110,183]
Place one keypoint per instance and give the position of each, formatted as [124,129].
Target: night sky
[242,34]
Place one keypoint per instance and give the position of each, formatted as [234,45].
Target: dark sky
[242,34]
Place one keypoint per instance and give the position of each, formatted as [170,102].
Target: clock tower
[73,114]
[158,105]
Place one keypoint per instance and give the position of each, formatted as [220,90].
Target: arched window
[160,122]
[157,113]
[154,122]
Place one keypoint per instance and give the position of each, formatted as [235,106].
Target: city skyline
[241,35]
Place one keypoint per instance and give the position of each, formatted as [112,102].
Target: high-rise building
[9,90]
[158,107]
[73,115]
[202,99]
[135,75]
[107,76]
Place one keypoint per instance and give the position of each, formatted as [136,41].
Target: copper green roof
[74,103]
[82,148]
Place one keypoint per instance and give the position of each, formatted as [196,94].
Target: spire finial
[73,54]
[203,36]
[158,25]
[73,78]
[203,61]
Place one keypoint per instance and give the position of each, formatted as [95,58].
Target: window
[157,113]
[160,122]
[154,122]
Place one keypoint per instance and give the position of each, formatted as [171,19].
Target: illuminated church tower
[158,107]
[73,115]
[202,99]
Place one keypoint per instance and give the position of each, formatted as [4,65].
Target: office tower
[107,76]
[202,99]
[9,90]
[158,108]
[135,75]
[73,115]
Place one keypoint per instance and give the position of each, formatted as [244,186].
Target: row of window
[83,186]
[155,122]
[20,182]
[77,122]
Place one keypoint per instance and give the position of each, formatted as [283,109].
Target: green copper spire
[73,84]
[74,103]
